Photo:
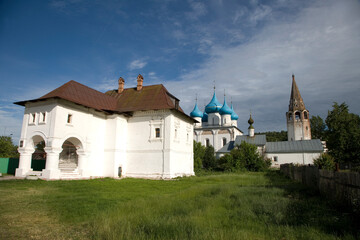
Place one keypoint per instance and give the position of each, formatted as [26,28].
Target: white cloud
[198,9]
[321,51]
[137,64]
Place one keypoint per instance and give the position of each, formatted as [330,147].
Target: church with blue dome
[216,125]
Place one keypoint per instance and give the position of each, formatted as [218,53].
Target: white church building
[217,125]
[137,132]
[299,149]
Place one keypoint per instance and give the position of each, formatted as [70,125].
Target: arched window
[306,115]
[297,115]
[207,142]
[290,116]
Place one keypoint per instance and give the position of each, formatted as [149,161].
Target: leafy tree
[325,161]
[275,136]
[199,152]
[7,148]
[226,163]
[318,127]
[238,160]
[253,160]
[343,134]
[209,160]
[247,157]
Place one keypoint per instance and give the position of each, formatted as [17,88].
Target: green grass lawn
[222,206]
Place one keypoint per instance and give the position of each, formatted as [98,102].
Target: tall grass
[224,206]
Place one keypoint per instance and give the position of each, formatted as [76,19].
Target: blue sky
[249,48]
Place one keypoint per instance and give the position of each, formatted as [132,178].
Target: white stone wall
[164,157]
[296,158]
[107,142]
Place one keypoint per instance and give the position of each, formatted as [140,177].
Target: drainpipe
[163,150]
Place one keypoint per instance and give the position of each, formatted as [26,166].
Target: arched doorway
[38,158]
[68,158]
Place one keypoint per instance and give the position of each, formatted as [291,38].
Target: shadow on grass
[306,207]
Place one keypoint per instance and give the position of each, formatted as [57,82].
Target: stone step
[68,165]
[70,175]
[68,169]
[37,173]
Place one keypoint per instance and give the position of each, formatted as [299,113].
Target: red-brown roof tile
[154,97]
[80,94]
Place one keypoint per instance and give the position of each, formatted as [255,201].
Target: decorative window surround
[154,124]
[42,118]
[32,119]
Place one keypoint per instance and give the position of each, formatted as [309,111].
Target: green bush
[226,163]
[209,160]
[244,157]
[325,161]
[199,152]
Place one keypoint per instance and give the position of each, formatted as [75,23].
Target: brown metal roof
[80,94]
[154,97]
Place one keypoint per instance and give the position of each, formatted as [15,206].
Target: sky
[247,49]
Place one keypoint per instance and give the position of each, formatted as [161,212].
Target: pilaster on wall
[51,170]
[24,162]
[83,160]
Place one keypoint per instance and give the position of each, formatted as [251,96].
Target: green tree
[318,127]
[275,136]
[7,148]
[343,134]
[209,160]
[325,161]
[199,152]
[247,157]
[226,163]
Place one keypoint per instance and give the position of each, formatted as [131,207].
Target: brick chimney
[121,85]
[140,80]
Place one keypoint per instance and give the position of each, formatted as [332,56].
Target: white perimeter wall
[296,158]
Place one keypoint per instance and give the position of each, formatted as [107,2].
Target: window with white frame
[156,128]
[157,132]
[42,117]
[32,119]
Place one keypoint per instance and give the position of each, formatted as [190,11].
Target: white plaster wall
[295,130]
[226,120]
[38,128]
[146,154]
[115,145]
[214,119]
[87,125]
[113,141]
[296,158]
[181,147]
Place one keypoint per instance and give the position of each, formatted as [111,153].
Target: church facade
[130,132]
[299,148]
[217,125]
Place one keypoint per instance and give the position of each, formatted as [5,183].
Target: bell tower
[297,118]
